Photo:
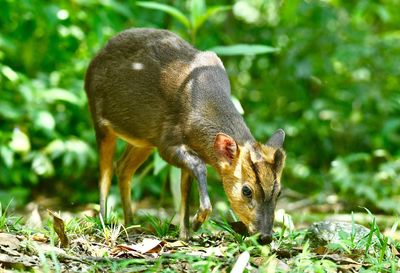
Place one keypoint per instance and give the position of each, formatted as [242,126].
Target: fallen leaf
[350,267]
[125,251]
[19,262]
[176,244]
[40,237]
[288,253]
[59,228]
[99,252]
[216,251]
[321,250]
[395,251]
[35,220]
[339,259]
[9,241]
[148,245]
[48,249]
[241,262]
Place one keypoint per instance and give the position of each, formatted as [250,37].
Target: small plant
[7,221]
[199,13]
[224,225]
[162,228]
[3,217]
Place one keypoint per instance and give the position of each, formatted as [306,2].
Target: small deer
[152,89]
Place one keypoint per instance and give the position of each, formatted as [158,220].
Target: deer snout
[264,239]
[265,223]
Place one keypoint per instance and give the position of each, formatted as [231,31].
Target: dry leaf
[339,259]
[395,251]
[176,244]
[34,221]
[148,245]
[216,251]
[45,248]
[59,227]
[9,241]
[20,262]
[40,237]
[241,262]
[125,251]
[321,250]
[350,267]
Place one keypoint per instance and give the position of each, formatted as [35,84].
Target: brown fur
[260,169]
[152,89]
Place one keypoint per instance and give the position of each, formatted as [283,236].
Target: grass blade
[243,49]
[198,21]
[176,13]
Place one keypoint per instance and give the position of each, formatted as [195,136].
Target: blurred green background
[333,84]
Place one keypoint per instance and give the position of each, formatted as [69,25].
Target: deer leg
[106,147]
[186,184]
[180,156]
[129,162]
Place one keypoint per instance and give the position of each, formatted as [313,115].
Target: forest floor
[45,241]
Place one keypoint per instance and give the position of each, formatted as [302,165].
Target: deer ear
[279,160]
[277,139]
[225,147]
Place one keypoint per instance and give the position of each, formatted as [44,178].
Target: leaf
[58,94]
[59,228]
[35,220]
[175,182]
[9,241]
[42,165]
[55,148]
[243,49]
[45,120]
[159,164]
[7,155]
[118,7]
[9,73]
[237,105]
[20,141]
[197,8]
[200,20]
[9,111]
[176,13]
[40,237]
[148,245]
[241,262]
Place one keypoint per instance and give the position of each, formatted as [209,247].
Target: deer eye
[246,191]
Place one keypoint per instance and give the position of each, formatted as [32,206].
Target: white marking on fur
[105,122]
[238,170]
[137,66]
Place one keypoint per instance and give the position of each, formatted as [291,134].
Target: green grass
[215,248]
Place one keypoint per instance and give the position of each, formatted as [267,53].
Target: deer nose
[265,239]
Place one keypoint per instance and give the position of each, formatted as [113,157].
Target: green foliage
[242,50]
[199,14]
[333,86]
[161,227]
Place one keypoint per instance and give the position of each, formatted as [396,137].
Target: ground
[88,244]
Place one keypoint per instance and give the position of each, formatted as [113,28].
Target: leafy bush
[333,86]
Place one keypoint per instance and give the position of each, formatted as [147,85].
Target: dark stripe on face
[258,181]
[275,185]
